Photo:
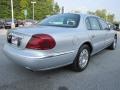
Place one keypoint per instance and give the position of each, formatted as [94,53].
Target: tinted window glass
[103,24]
[94,23]
[88,24]
[62,20]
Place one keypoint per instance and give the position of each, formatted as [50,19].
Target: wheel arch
[89,44]
[115,36]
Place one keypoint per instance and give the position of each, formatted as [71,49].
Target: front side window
[103,24]
[62,20]
[94,23]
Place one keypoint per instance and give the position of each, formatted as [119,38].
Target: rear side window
[88,24]
[95,25]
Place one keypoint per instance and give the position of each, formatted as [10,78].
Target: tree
[23,6]
[5,11]
[42,8]
[103,14]
[16,8]
[110,17]
[56,8]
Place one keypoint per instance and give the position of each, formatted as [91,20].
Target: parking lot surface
[102,73]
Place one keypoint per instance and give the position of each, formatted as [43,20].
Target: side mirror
[109,27]
[116,27]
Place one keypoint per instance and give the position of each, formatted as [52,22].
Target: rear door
[97,35]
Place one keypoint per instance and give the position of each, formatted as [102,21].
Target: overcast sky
[113,6]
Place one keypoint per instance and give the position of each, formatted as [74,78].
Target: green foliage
[4,9]
[110,17]
[23,4]
[56,8]
[42,8]
[103,14]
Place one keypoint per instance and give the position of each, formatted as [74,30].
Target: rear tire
[82,59]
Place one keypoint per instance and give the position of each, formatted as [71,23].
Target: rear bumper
[1,26]
[7,26]
[38,61]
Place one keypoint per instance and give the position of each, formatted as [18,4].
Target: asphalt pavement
[102,73]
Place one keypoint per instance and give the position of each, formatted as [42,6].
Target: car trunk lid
[21,36]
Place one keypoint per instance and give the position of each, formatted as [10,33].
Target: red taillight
[41,42]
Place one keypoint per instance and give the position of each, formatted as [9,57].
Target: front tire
[114,44]
[82,59]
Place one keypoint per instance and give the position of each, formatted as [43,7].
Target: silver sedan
[59,40]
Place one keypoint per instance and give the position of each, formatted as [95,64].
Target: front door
[109,33]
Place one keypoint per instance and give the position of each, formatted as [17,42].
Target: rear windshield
[62,20]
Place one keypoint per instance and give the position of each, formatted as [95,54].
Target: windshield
[62,20]
[9,20]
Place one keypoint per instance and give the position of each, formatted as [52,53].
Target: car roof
[82,14]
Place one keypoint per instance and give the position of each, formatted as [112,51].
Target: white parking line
[3,31]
